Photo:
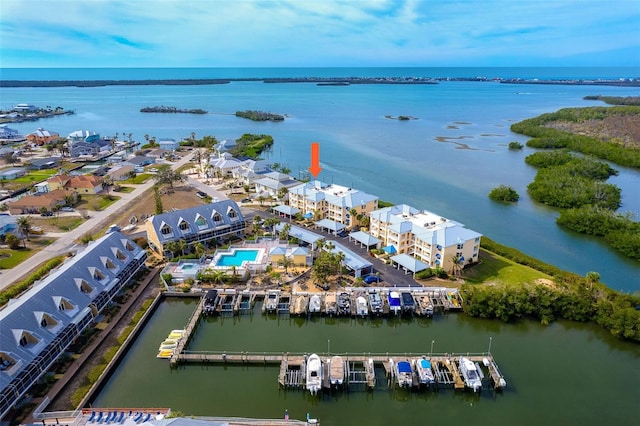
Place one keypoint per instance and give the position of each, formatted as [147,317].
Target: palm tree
[182,245]
[285,263]
[200,249]
[217,276]
[24,224]
[456,266]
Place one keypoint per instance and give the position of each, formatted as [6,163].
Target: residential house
[12,173]
[8,134]
[273,182]
[85,143]
[251,170]
[424,235]
[225,165]
[31,204]
[169,144]
[140,161]
[42,137]
[38,326]
[121,173]
[299,256]
[7,223]
[334,202]
[22,108]
[214,221]
[44,163]
[82,184]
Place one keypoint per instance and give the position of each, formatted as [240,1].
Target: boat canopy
[404,367]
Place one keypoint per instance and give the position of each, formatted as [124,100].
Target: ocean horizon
[144,73]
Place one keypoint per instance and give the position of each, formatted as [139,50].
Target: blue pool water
[237,257]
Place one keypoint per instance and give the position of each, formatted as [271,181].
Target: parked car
[201,194]
[370,279]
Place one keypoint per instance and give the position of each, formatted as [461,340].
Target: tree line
[569,296]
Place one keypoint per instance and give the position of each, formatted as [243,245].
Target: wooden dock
[360,369]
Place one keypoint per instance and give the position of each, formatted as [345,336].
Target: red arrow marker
[315,168]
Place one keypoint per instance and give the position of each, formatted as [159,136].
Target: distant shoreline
[323,81]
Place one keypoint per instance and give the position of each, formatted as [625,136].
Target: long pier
[360,368]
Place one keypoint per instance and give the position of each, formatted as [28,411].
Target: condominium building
[428,237]
[38,327]
[334,202]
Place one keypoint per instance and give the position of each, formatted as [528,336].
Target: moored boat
[425,374]
[314,374]
[471,374]
[344,304]
[271,301]
[165,353]
[336,370]
[331,303]
[394,302]
[315,304]
[375,302]
[408,303]
[404,374]
[362,309]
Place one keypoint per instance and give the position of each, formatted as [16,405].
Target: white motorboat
[362,309]
[394,302]
[314,374]
[336,370]
[314,304]
[425,374]
[404,374]
[375,301]
[471,374]
[271,301]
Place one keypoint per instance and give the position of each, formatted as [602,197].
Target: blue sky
[299,33]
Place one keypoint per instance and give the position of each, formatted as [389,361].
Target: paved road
[97,221]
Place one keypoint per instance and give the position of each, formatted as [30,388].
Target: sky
[318,33]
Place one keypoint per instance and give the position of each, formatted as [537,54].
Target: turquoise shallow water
[447,160]
[565,374]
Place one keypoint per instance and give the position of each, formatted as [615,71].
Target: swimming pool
[237,256]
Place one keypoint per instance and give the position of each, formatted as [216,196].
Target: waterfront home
[12,173]
[272,183]
[425,236]
[251,170]
[9,135]
[225,165]
[42,137]
[82,184]
[168,144]
[140,161]
[121,173]
[86,143]
[44,163]
[22,108]
[39,326]
[32,204]
[335,202]
[201,224]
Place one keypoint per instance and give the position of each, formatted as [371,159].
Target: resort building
[428,237]
[334,202]
[200,224]
[38,327]
[42,137]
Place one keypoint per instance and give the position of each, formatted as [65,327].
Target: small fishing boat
[425,374]
[344,304]
[168,344]
[471,374]
[336,370]
[175,334]
[362,309]
[314,304]
[375,302]
[271,301]
[394,303]
[331,303]
[404,374]
[314,374]
[424,305]
[165,353]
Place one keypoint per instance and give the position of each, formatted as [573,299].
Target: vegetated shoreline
[173,110]
[323,81]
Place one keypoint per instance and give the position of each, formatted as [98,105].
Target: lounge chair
[91,417]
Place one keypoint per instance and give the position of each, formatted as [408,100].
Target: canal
[566,373]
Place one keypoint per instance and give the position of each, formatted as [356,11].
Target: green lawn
[97,202]
[497,269]
[66,223]
[125,189]
[141,178]
[11,258]
[36,176]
